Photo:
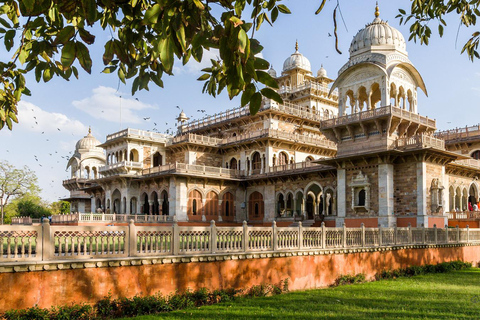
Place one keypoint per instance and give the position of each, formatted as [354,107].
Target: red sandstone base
[48,288]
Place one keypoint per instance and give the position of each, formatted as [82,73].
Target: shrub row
[428,268]
[109,308]
[407,272]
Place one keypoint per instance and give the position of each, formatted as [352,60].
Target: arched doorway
[116,196]
[256,163]
[211,206]
[157,159]
[310,206]
[156,205]
[165,207]
[145,205]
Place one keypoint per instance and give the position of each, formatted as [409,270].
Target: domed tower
[87,159]
[386,151]
[299,86]
[84,167]
[378,72]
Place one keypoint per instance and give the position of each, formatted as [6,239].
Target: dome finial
[89,130]
[296,45]
[377,12]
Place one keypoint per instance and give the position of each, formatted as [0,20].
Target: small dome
[322,72]
[182,117]
[297,60]
[88,142]
[378,34]
[272,72]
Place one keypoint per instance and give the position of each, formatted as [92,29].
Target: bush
[349,279]
[428,268]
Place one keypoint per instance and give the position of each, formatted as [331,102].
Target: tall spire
[377,12]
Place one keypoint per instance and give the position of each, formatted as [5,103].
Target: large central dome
[378,36]
[89,142]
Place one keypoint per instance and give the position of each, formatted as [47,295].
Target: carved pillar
[203,209]
[219,212]
[160,206]
[150,207]
[294,211]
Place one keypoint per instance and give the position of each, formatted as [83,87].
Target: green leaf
[109,51]
[204,77]
[47,74]
[64,35]
[266,79]
[271,94]
[166,54]
[440,30]
[274,14]
[242,40]
[68,54]
[283,9]
[86,36]
[199,4]
[181,37]
[151,16]
[109,69]
[247,94]
[261,64]
[255,103]
[90,8]
[83,57]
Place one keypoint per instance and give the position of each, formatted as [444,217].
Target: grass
[453,295]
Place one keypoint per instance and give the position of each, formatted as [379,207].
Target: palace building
[343,151]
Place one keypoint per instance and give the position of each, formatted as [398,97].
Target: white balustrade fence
[47,242]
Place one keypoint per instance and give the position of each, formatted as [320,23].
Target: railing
[121,165]
[474,163]
[231,114]
[463,215]
[420,141]
[22,220]
[196,138]
[108,217]
[224,172]
[139,134]
[466,133]
[374,113]
[309,85]
[53,243]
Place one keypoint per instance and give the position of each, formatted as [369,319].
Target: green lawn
[454,295]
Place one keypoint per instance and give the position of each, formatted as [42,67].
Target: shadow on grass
[434,296]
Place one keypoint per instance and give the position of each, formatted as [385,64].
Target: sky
[59,113]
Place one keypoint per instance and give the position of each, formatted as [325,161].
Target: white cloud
[33,118]
[108,104]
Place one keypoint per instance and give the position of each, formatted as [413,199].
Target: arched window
[233,164]
[282,159]
[194,207]
[280,205]
[211,205]
[133,205]
[476,155]
[309,159]
[361,197]
[133,155]
[256,206]
[157,159]
[227,207]
[256,161]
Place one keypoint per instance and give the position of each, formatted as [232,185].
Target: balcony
[418,142]
[137,134]
[377,113]
[460,134]
[123,167]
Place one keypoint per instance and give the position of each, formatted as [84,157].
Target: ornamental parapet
[123,167]
[53,243]
[377,113]
[459,134]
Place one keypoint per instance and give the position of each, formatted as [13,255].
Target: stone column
[385,195]
[294,211]
[341,197]
[160,206]
[178,198]
[150,207]
[203,209]
[219,212]
[422,191]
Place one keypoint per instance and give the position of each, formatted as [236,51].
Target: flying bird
[147,118]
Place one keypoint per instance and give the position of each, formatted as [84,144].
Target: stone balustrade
[459,134]
[419,141]
[375,113]
[463,215]
[138,134]
[47,242]
[107,218]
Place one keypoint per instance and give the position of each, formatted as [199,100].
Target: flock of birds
[55,158]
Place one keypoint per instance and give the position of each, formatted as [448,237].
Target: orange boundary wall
[60,287]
